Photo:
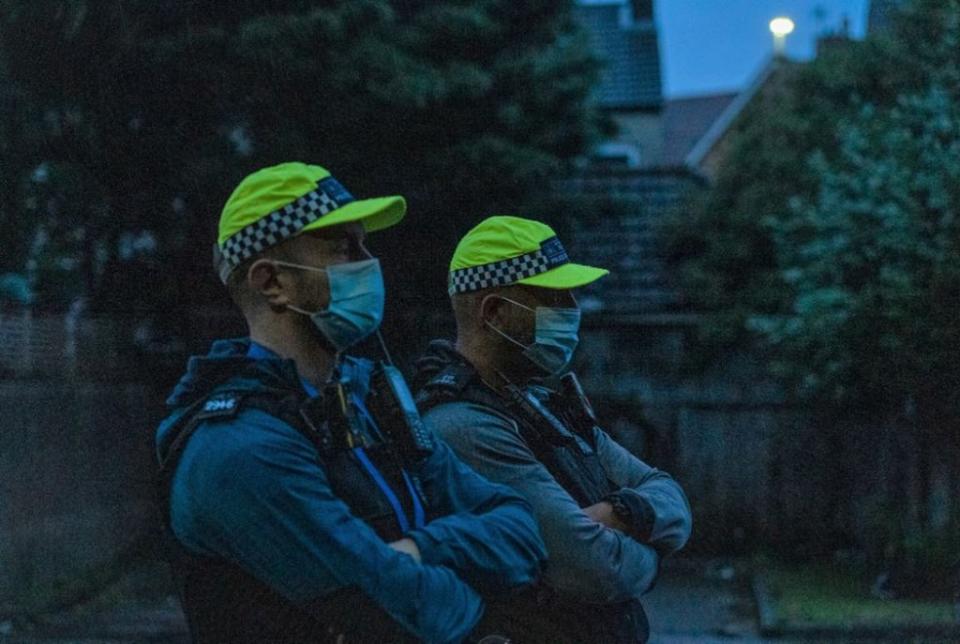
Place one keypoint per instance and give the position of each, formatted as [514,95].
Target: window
[617,155]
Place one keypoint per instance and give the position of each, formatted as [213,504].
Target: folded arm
[485,532]
[659,509]
[587,559]
[268,507]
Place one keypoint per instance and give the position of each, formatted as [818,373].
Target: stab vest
[222,602]
[569,455]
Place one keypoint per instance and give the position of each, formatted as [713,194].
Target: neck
[491,370]
[291,339]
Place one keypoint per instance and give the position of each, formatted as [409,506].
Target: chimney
[835,40]
[642,10]
[882,12]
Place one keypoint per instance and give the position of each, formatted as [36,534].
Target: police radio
[551,428]
[392,406]
[576,405]
[335,422]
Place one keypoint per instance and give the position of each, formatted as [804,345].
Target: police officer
[304,496]
[502,398]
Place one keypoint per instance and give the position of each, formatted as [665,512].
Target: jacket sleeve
[486,532]
[266,504]
[586,559]
[664,510]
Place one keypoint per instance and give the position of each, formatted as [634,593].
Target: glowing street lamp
[780,27]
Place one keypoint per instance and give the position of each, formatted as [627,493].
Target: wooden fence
[759,470]
[60,346]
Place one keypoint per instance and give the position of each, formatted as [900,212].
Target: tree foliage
[141,115]
[831,232]
[873,260]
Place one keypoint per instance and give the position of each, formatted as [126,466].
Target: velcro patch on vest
[454,376]
[221,406]
[445,380]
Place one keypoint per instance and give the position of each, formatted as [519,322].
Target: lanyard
[258,352]
[418,513]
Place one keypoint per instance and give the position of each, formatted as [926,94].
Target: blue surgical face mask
[356,301]
[555,337]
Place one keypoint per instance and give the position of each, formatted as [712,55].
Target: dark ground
[697,601]
[701,600]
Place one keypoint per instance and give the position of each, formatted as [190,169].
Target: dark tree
[144,114]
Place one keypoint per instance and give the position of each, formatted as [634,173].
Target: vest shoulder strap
[220,404]
[224,404]
[457,382]
[217,405]
[460,382]
[539,425]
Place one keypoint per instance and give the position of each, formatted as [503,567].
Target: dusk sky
[711,46]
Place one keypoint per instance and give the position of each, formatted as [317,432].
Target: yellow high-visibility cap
[511,250]
[279,202]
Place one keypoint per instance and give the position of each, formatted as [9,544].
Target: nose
[359,251]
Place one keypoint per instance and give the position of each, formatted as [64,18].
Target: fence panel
[61,346]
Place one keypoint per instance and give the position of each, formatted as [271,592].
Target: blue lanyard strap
[419,519]
[259,352]
[382,484]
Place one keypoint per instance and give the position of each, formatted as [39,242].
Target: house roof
[630,54]
[626,242]
[686,121]
[728,116]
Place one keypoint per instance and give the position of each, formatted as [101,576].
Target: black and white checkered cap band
[284,223]
[550,255]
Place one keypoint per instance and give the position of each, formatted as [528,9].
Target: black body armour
[222,602]
[561,437]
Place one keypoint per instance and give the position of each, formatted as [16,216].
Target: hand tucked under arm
[602,513]
[659,510]
[587,560]
[486,532]
[407,547]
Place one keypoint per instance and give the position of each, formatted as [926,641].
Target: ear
[265,279]
[492,310]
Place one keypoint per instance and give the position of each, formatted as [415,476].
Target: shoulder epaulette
[220,405]
[454,377]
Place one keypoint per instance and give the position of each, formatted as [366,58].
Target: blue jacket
[251,490]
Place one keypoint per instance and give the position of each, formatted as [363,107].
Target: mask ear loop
[315,269]
[502,376]
[380,340]
[495,329]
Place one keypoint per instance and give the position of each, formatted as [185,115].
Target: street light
[780,27]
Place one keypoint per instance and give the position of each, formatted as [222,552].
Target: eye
[340,247]
[358,250]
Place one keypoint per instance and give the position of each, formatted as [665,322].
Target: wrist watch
[620,509]
[634,510]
